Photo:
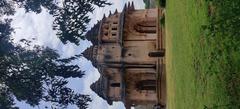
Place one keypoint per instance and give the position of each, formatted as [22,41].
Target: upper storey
[128,38]
[107,37]
[109,29]
[106,30]
[109,33]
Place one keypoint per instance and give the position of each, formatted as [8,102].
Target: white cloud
[39,26]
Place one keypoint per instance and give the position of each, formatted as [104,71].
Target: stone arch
[146,27]
[146,85]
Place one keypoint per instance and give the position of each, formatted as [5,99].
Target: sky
[39,27]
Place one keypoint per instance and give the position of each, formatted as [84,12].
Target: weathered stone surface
[122,43]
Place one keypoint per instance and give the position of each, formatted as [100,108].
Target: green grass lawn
[202,71]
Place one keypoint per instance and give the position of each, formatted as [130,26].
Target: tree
[5,32]
[52,5]
[36,5]
[100,3]
[61,94]
[38,74]
[6,8]
[71,21]
[6,99]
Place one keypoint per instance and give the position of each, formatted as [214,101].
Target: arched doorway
[160,53]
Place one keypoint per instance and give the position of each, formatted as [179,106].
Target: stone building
[128,51]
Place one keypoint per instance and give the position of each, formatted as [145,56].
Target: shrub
[162,21]
[162,3]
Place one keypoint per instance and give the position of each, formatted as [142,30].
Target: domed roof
[90,54]
[92,34]
[100,87]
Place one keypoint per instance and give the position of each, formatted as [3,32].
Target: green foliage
[204,68]
[224,18]
[100,3]
[162,3]
[71,20]
[36,5]
[223,33]
[51,5]
[5,32]
[59,93]
[6,8]
[162,21]
[38,74]
[6,99]
[147,4]
[150,4]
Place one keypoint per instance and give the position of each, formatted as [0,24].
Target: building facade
[128,51]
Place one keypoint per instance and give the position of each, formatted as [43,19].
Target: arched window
[114,28]
[114,34]
[146,27]
[157,54]
[146,85]
[115,85]
[105,33]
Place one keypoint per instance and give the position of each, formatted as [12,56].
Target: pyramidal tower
[128,51]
